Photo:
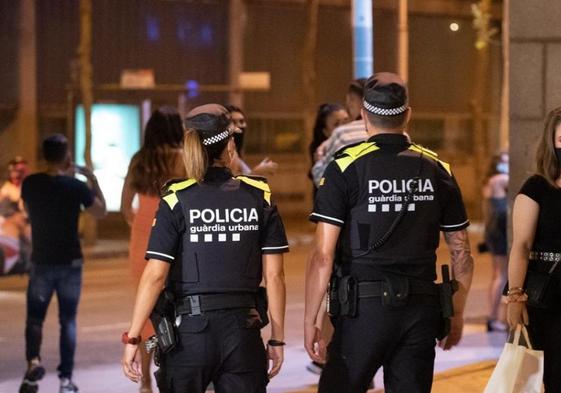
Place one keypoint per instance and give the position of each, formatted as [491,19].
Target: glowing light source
[454,26]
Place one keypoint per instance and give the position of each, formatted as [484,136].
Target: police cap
[385,94]
[211,121]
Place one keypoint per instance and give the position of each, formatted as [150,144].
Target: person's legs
[409,368]
[243,358]
[39,293]
[358,347]
[500,272]
[68,288]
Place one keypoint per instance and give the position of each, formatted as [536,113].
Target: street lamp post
[363,50]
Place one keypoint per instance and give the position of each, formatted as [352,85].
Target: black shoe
[30,384]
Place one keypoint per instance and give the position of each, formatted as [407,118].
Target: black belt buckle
[395,291]
[195,303]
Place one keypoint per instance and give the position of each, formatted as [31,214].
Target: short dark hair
[55,148]
[389,122]
[357,87]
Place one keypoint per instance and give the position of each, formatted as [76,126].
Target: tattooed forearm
[460,253]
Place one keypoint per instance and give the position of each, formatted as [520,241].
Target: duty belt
[545,256]
[374,289]
[199,304]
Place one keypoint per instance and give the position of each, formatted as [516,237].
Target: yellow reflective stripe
[258,184]
[171,200]
[353,153]
[430,154]
[181,185]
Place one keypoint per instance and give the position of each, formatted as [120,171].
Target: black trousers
[545,333]
[401,340]
[223,347]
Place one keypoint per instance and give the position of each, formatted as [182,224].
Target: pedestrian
[266,167]
[328,118]
[535,255]
[215,238]
[495,213]
[345,134]
[14,239]
[380,207]
[53,200]
[17,171]
[159,160]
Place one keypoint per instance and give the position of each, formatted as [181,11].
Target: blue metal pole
[363,52]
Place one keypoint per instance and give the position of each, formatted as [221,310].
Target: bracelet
[275,343]
[516,290]
[516,298]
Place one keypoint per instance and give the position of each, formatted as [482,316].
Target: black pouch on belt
[347,293]
[446,291]
[395,291]
[163,320]
[262,305]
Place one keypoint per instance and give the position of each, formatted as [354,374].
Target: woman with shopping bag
[534,291]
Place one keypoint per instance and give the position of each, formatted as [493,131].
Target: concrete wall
[535,80]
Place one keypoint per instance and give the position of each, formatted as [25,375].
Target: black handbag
[539,287]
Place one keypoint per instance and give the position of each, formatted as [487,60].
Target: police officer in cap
[214,238]
[380,209]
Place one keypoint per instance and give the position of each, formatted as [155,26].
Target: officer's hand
[455,335]
[131,363]
[516,313]
[276,355]
[314,344]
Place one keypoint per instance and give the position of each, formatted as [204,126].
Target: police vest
[384,178]
[220,249]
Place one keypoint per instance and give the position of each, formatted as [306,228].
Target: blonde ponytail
[194,155]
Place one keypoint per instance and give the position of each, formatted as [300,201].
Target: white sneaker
[67,386]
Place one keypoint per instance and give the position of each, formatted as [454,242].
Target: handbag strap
[518,331]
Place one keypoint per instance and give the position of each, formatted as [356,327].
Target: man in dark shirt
[53,200]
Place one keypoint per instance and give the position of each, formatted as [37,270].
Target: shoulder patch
[257,182]
[173,187]
[354,152]
[432,155]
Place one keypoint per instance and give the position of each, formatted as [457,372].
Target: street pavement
[106,307]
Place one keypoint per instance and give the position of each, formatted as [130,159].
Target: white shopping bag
[519,369]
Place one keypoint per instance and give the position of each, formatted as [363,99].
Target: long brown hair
[157,161]
[198,157]
[547,164]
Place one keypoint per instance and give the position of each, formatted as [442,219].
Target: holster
[163,320]
[262,305]
[446,291]
[342,298]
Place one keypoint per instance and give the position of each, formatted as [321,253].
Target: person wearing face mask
[214,239]
[535,255]
[239,166]
[495,213]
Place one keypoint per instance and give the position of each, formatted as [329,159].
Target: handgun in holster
[446,290]
[163,320]
[342,296]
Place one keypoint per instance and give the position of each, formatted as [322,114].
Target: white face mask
[502,167]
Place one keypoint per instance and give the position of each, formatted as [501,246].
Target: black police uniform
[362,192]
[214,234]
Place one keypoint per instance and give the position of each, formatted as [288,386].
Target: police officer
[380,208]
[214,238]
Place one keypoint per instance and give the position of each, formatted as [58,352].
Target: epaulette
[351,153]
[340,152]
[432,155]
[172,187]
[257,182]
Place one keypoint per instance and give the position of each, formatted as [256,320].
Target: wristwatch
[275,343]
[125,339]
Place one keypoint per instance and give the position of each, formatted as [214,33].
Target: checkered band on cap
[216,138]
[382,111]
